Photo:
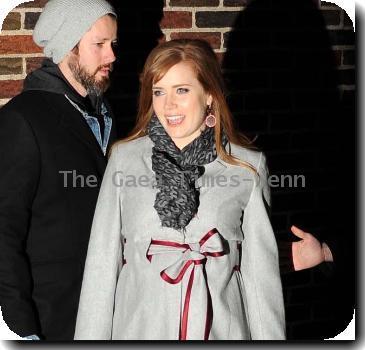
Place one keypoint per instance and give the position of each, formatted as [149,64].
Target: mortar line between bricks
[27,10]
[24,61]
[4,101]
[20,55]
[334,26]
[197,30]
[22,20]
[193,19]
[331,9]
[342,58]
[345,67]
[205,9]
[16,32]
[348,87]
[11,77]
[343,47]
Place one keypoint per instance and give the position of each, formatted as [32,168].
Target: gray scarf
[176,170]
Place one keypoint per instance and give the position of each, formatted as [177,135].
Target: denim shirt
[31,337]
[94,124]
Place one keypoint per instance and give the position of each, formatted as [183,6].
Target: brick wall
[291,75]
[18,53]
[211,20]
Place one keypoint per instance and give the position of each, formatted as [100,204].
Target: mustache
[110,66]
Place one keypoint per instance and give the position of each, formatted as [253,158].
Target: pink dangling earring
[210,119]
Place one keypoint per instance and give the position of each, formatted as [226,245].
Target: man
[54,138]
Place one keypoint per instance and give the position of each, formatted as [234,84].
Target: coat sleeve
[96,305]
[260,266]
[19,176]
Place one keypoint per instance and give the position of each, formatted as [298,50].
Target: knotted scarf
[176,171]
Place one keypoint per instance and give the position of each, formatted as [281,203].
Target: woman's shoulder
[252,156]
[257,159]
[130,153]
[133,147]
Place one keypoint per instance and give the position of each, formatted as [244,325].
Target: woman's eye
[99,44]
[157,93]
[182,90]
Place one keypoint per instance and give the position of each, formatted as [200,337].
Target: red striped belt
[193,257]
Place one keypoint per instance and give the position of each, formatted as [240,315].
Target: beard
[88,80]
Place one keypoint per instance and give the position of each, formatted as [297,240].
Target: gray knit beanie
[64,22]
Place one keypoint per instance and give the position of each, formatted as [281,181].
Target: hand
[308,252]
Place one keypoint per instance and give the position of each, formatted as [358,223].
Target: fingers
[298,232]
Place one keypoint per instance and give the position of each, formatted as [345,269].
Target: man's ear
[75,50]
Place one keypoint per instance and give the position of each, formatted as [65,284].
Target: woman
[181,245]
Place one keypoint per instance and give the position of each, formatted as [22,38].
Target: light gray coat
[123,295]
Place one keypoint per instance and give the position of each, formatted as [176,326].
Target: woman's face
[180,103]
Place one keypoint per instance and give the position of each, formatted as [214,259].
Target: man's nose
[110,54]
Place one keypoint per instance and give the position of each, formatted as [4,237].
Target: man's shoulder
[30,101]
[34,106]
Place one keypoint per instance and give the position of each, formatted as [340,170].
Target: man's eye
[157,93]
[182,90]
[99,44]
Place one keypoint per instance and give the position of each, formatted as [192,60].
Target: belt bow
[193,255]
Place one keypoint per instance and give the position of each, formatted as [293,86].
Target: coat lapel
[147,155]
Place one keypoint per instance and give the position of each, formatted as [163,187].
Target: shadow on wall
[138,33]
[282,76]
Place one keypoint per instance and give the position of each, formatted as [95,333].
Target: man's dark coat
[44,221]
